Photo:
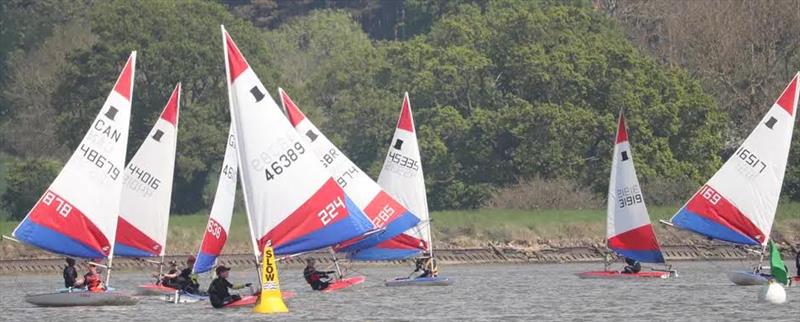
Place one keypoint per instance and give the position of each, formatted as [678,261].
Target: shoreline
[455,256]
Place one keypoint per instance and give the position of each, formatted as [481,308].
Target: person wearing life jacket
[633,266]
[70,273]
[427,265]
[92,280]
[318,280]
[187,281]
[218,293]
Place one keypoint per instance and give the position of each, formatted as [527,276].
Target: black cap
[221,269]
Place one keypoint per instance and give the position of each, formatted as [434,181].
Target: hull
[423,281]
[345,283]
[183,297]
[251,300]
[82,298]
[744,278]
[614,274]
[153,289]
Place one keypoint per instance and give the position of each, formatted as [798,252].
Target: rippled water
[481,292]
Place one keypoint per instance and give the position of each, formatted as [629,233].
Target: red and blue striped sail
[628,228]
[147,188]
[739,202]
[385,213]
[292,202]
[77,215]
[402,177]
[219,221]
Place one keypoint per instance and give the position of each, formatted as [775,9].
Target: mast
[238,153]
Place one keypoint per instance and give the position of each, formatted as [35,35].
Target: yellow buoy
[270,300]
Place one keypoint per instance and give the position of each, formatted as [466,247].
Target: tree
[176,41]
[27,179]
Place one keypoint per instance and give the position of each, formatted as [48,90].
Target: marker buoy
[270,300]
[773,293]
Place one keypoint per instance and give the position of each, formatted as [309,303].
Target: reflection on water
[481,292]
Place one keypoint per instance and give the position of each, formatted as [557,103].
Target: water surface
[481,292]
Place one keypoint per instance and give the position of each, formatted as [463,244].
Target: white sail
[77,215]
[380,208]
[219,221]
[739,202]
[147,188]
[402,178]
[292,202]
[629,231]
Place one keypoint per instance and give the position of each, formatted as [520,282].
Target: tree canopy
[502,90]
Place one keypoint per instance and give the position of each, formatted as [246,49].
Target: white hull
[82,298]
[746,278]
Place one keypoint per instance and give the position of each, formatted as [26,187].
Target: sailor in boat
[170,279]
[70,274]
[318,280]
[92,281]
[187,281]
[427,265]
[218,290]
[633,266]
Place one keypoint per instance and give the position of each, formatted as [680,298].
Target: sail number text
[710,194]
[629,196]
[383,217]
[342,179]
[144,177]
[751,159]
[214,229]
[404,161]
[100,161]
[330,211]
[63,208]
[285,160]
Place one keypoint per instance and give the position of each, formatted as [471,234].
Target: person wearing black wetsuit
[633,266]
[186,280]
[314,278]
[218,293]
[70,273]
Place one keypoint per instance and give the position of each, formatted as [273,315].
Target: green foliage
[26,181]
[538,88]
[502,90]
[176,42]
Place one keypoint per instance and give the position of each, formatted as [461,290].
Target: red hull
[251,300]
[613,274]
[345,283]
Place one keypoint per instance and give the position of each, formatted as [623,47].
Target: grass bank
[521,228]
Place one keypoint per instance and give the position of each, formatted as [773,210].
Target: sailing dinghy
[402,177]
[292,203]
[629,232]
[147,193]
[738,204]
[77,214]
[216,234]
[387,215]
